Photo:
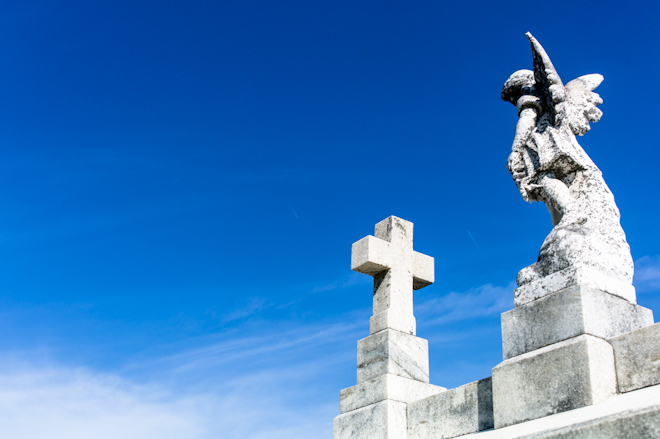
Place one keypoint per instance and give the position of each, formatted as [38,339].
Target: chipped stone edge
[583,276]
[387,386]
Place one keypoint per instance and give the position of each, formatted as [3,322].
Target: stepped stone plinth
[579,293]
[392,363]
[567,313]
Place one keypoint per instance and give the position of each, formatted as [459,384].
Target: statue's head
[519,84]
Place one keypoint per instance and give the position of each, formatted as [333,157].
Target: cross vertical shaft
[397,270]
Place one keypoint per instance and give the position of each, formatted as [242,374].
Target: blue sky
[181,183]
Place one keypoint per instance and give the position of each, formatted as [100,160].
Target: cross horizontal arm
[423,271]
[370,255]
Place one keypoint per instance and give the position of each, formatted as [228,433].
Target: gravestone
[393,364]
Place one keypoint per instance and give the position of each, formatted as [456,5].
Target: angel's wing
[579,107]
[549,84]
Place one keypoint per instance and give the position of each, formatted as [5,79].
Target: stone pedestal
[568,313]
[637,358]
[392,363]
[392,387]
[564,376]
[393,352]
[383,420]
[392,371]
[585,277]
[554,343]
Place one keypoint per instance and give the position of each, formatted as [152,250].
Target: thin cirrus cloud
[71,403]
[647,274]
[346,281]
[482,301]
[252,384]
[59,402]
[250,346]
[263,380]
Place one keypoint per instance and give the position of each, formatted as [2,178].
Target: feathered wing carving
[581,101]
[575,104]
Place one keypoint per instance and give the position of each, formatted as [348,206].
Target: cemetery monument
[581,358]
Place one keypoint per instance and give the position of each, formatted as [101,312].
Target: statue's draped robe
[600,243]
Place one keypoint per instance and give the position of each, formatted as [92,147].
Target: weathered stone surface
[567,314]
[392,364]
[385,387]
[453,413]
[397,270]
[383,420]
[637,358]
[567,375]
[392,352]
[572,276]
[644,424]
[631,415]
[549,165]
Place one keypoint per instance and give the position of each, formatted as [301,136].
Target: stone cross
[397,270]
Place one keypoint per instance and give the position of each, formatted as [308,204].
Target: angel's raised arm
[547,79]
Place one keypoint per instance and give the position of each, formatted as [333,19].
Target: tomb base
[385,387]
[568,313]
[637,358]
[564,376]
[453,413]
[631,415]
[383,420]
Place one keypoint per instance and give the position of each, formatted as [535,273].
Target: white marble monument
[579,293]
[392,363]
[581,358]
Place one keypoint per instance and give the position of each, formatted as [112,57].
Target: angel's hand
[515,164]
[526,188]
[522,188]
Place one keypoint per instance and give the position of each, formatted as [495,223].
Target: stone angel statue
[549,165]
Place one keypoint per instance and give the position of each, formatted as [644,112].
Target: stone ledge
[393,352]
[564,376]
[566,314]
[393,319]
[453,413]
[383,420]
[583,276]
[385,387]
[637,358]
[634,415]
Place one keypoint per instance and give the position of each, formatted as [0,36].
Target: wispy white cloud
[262,380]
[486,300]
[265,340]
[647,274]
[265,381]
[253,306]
[55,402]
[344,282]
